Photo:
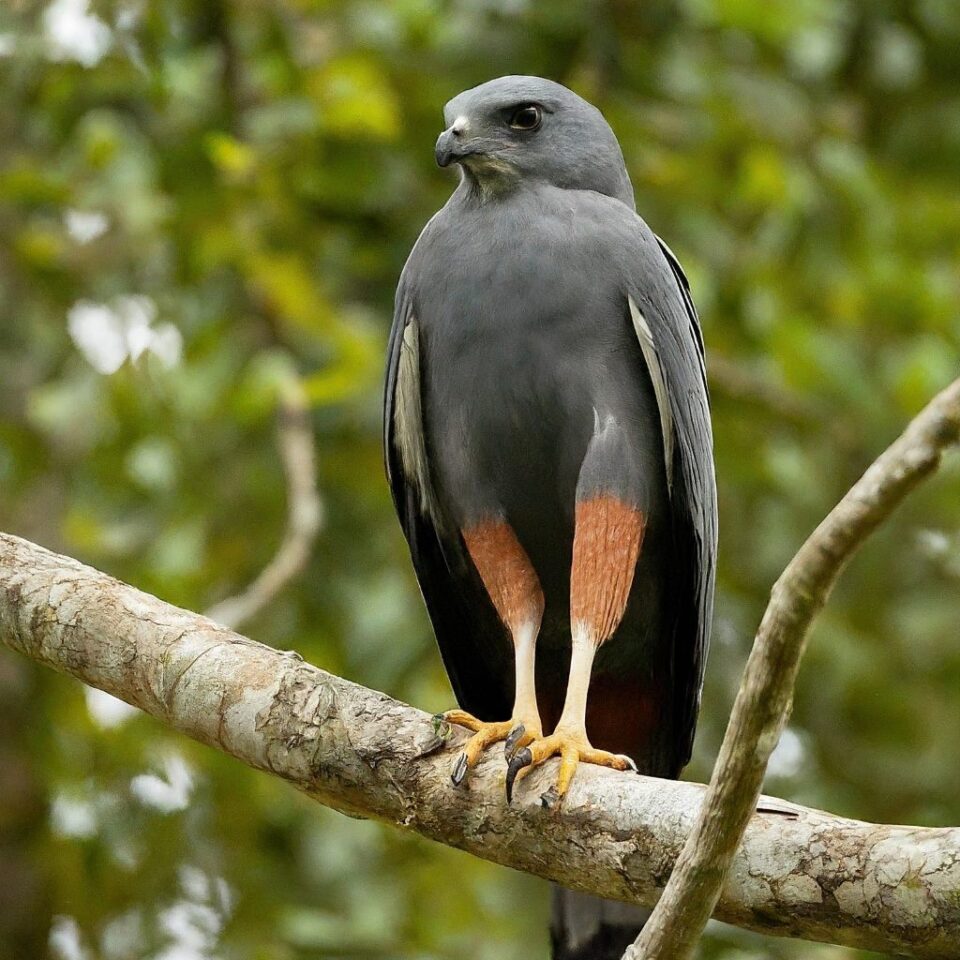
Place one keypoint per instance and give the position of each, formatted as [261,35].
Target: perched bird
[548,445]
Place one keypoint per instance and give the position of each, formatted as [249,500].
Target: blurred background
[203,201]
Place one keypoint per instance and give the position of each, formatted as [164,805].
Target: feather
[649,349]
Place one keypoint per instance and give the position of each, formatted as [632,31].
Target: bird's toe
[573,749]
[461,718]
[550,799]
[487,734]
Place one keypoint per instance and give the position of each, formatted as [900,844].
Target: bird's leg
[514,588]
[606,546]
[524,723]
[569,740]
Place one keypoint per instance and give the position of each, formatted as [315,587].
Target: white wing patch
[408,420]
[649,348]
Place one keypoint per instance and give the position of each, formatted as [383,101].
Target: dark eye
[527,117]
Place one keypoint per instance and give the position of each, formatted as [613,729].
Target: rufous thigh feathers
[606,546]
[506,572]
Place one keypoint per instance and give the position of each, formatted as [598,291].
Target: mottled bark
[799,872]
[764,699]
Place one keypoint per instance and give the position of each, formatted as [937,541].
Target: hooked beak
[480,155]
[450,147]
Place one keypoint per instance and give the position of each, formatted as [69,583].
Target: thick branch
[805,874]
[764,699]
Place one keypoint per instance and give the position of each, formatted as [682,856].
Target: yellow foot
[572,746]
[516,733]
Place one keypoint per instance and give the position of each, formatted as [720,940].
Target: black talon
[520,760]
[550,798]
[631,765]
[513,739]
[459,770]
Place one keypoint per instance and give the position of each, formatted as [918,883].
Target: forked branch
[763,702]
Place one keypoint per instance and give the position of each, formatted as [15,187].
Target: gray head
[526,128]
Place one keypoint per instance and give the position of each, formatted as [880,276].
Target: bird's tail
[584,927]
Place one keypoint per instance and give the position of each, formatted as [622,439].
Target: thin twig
[763,702]
[304,511]
[742,383]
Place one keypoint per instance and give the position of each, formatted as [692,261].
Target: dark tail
[584,927]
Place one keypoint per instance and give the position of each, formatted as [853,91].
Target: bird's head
[523,129]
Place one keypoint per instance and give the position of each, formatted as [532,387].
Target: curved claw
[459,770]
[521,759]
[550,798]
[512,743]
[631,766]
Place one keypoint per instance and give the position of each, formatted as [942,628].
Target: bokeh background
[201,199]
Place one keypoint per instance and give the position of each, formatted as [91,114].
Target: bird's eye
[527,117]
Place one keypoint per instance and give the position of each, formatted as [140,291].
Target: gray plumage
[545,347]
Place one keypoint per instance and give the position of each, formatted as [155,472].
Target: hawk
[548,446]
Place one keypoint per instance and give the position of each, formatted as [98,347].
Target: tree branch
[799,872]
[766,692]
[740,383]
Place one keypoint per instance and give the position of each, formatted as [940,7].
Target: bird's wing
[668,330]
[471,637]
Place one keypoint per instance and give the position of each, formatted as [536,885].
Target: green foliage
[197,197]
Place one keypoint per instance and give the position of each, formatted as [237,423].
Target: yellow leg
[569,740]
[524,725]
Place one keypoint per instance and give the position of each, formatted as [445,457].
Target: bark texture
[763,701]
[799,872]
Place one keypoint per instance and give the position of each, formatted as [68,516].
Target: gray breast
[525,334]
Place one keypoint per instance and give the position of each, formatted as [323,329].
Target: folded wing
[471,637]
[668,330]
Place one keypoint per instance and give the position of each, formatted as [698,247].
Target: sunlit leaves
[233,158]
[356,98]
